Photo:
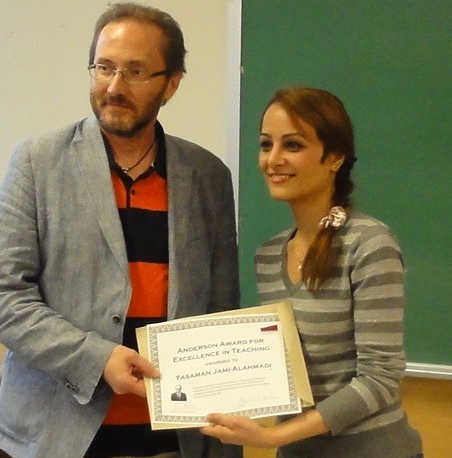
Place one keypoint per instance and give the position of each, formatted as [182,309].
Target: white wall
[44,82]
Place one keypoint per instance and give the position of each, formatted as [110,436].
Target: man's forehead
[132,28]
[135,40]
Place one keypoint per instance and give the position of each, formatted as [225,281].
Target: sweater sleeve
[376,277]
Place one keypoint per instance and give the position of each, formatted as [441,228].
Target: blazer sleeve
[33,331]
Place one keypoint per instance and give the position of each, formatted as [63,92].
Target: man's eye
[104,69]
[137,72]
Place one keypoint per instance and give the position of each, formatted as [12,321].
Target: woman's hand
[230,429]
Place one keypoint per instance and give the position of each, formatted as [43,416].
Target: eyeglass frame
[121,71]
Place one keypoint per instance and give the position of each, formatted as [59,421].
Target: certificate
[230,364]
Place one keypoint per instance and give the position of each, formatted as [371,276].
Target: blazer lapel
[180,176]
[95,176]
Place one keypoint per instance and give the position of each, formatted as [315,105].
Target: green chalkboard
[390,62]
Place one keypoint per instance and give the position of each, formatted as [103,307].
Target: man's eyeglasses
[102,72]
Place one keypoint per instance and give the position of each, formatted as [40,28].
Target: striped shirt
[143,211]
[351,329]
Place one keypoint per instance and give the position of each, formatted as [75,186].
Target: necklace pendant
[140,160]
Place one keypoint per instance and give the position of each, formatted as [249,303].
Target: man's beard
[124,125]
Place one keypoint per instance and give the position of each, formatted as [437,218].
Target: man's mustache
[118,100]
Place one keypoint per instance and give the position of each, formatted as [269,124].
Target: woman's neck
[307,216]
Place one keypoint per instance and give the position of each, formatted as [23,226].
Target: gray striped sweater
[352,333]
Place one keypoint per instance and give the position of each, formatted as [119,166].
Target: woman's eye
[265,145]
[294,146]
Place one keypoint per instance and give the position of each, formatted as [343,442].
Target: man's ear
[171,87]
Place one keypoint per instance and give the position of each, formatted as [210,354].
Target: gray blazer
[64,280]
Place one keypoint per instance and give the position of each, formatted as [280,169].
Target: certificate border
[153,331]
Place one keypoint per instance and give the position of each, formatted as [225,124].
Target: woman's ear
[335,160]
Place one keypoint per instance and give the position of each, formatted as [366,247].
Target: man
[178,395]
[107,225]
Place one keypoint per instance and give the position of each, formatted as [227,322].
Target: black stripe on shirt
[135,440]
[146,234]
[129,336]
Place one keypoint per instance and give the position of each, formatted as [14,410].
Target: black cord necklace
[126,170]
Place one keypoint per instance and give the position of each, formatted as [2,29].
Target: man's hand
[125,369]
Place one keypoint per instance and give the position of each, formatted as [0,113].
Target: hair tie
[336,218]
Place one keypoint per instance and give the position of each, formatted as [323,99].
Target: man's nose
[117,83]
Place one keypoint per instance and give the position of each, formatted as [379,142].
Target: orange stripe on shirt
[150,289]
[126,409]
[149,193]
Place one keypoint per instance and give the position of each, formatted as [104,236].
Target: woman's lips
[279,177]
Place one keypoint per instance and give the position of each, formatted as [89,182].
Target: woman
[343,273]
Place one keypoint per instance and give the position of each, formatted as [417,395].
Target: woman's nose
[275,156]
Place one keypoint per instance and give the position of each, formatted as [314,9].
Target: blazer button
[116,319]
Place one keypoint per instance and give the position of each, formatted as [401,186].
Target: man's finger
[144,367]
[138,387]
